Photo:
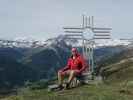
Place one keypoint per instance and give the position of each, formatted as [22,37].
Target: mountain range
[19,64]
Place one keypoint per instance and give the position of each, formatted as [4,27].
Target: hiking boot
[60,87]
[67,85]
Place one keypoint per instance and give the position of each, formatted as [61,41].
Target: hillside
[119,67]
[22,66]
[117,71]
[86,92]
[33,64]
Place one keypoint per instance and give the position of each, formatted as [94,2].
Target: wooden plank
[101,34]
[101,38]
[127,39]
[101,31]
[78,28]
[73,31]
[100,28]
[74,34]
[52,87]
[73,38]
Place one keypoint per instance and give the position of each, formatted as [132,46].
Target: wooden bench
[83,79]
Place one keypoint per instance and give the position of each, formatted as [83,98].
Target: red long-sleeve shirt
[76,64]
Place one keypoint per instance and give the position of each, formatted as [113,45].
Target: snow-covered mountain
[30,42]
[21,42]
[112,42]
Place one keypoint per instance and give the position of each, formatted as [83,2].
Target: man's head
[74,51]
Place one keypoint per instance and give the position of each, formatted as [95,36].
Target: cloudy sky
[45,18]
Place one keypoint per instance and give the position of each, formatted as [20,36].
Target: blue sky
[45,18]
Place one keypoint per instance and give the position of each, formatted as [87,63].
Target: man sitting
[75,66]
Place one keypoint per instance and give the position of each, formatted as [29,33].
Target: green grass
[86,92]
[118,79]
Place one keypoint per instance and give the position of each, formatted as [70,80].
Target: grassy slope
[119,72]
[86,92]
[119,86]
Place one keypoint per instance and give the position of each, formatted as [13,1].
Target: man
[75,66]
